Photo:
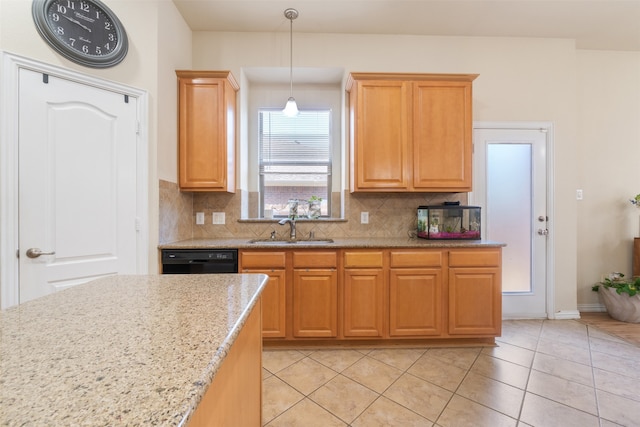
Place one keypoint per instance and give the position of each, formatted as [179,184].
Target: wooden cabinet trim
[355,76]
[204,75]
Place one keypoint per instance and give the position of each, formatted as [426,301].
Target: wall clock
[86,32]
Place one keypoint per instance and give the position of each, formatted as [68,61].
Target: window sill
[275,220]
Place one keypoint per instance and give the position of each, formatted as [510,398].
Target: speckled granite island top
[121,350]
[352,242]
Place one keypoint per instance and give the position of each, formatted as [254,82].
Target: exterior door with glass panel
[510,185]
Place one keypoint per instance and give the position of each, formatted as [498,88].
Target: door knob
[36,252]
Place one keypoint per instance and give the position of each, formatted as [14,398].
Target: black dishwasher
[199,261]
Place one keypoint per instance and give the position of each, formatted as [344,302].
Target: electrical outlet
[218,218]
[199,218]
[364,217]
[578,194]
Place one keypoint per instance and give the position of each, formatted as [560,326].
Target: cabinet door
[380,150]
[442,136]
[475,301]
[415,301]
[271,263]
[273,303]
[315,303]
[363,302]
[206,129]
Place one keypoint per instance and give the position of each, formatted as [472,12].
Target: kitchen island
[127,350]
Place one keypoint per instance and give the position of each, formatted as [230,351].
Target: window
[294,160]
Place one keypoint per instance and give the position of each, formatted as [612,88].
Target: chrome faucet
[292,224]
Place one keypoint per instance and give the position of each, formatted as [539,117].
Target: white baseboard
[560,315]
[565,315]
[522,316]
[592,308]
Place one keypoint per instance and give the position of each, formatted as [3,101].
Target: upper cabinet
[410,132]
[207,130]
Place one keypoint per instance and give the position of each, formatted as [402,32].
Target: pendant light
[291,109]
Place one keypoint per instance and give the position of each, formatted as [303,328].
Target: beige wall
[609,156]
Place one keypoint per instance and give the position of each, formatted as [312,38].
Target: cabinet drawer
[363,259]
[402,259]
[262,259]
[475,258]
[315,260]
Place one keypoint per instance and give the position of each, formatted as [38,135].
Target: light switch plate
[364,217]
[218,218]
[579,195]
[199,218]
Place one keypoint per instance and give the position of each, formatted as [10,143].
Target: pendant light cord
[291,55]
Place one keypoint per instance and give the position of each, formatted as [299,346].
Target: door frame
[9,213]
[547,128]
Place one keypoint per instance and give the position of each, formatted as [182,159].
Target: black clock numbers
[83,27]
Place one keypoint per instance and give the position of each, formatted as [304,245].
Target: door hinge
[137,127]
[17,253]
[137,224]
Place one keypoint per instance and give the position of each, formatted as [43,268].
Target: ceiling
[596,24]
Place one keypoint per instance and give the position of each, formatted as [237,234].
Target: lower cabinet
[415,293]
[315,294]
[274,310]
[475,292]
[274,300]
[379,294]
[364,285]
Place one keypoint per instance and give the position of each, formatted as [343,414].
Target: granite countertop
[355,242]
[121,350]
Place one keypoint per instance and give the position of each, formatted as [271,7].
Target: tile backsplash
[176,217]
[390,215]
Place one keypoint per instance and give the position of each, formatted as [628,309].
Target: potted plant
[315,209]
[621,297]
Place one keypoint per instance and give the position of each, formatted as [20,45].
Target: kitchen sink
[292,242]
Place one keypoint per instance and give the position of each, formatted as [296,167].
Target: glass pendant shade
[291,109]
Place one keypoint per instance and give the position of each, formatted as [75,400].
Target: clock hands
[77,22]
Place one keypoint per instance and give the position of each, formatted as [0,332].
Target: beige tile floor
[543,373]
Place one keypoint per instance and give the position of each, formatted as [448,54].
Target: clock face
[86,32]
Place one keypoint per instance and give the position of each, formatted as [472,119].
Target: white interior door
[510,184]
[77,183]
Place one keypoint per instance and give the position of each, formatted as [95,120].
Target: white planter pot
[621,306]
